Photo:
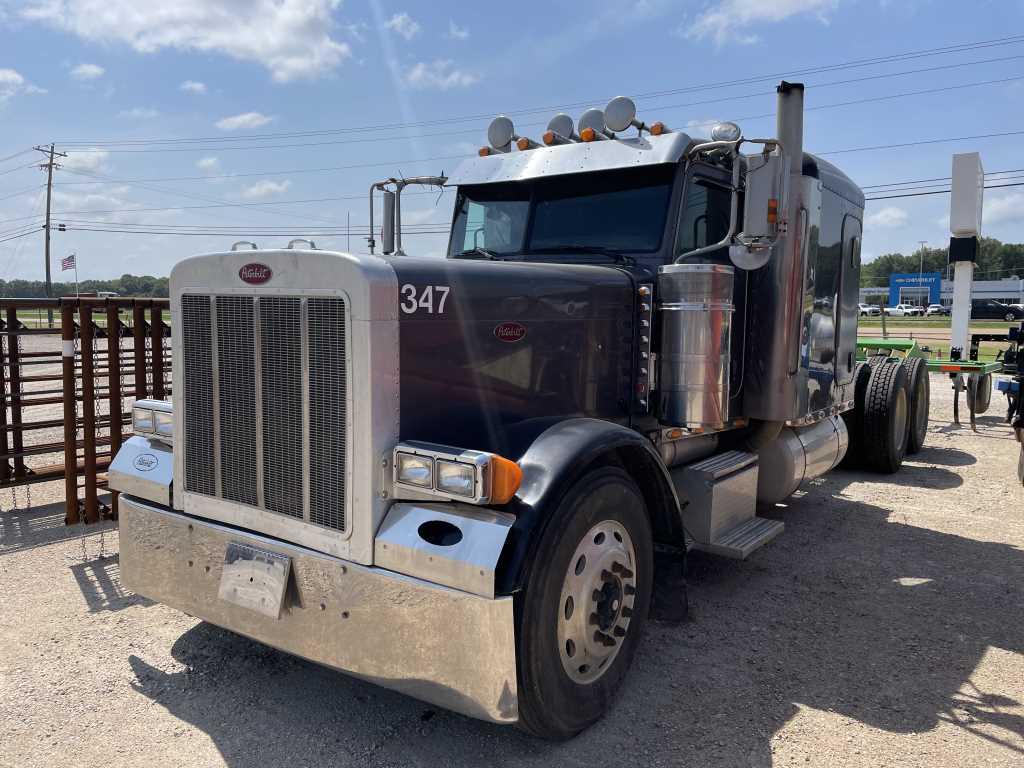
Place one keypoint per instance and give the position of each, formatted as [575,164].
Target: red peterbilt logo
[255,274]
[510,332]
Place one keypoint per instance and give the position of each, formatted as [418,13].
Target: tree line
[996,261]
[125,285]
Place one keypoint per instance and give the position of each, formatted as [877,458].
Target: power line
[942,191]
[16,154]
[658,108]
[333,233]
[23,191]
[921,142]
[23,234]
[938,178]
[903,56]
[17,168]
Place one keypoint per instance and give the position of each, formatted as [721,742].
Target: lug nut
[597,595]
[619,632]
[628,590]
[626,611]
[607,576]
[594,619]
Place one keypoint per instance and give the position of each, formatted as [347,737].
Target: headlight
[142,420]
[415,470]
[164,426]
[458,479]
[153,418]
[477,477]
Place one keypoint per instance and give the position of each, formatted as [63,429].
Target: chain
[28,486]
[74,397]
[97,403]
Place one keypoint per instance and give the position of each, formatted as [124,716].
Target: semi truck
[474,479]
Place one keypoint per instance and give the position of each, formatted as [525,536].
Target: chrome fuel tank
[695,308]
[799,454]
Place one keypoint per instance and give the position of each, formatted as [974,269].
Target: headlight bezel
[476,462]
[153,419]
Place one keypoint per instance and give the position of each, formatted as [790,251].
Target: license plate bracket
[254,578]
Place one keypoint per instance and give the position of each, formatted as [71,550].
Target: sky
[269,119]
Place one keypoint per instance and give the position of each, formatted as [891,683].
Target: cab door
[847,297]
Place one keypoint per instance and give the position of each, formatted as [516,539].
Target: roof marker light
[660,128]
[594,120]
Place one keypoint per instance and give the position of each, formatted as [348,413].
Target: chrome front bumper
[445,646]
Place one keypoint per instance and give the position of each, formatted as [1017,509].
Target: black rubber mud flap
[920,401]
[669,602]
[854,419]
[886,418]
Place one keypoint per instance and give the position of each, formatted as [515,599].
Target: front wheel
[1009,317]
[588,591]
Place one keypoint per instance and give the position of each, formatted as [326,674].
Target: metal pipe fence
[77,379]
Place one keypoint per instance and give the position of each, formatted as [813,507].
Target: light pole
[920,264]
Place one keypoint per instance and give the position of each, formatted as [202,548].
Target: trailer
[473,479]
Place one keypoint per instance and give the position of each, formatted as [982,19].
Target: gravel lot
[884,627]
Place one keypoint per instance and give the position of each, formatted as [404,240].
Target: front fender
[556,459]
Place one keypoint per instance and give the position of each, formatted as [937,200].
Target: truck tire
[581,614]
[886,417]
[920,401]
[979,392]
[874,360]
[854,419]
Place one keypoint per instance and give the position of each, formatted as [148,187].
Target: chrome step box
[721,496]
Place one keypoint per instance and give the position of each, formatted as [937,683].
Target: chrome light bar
[153,418]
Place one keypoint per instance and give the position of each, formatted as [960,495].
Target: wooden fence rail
[101,342]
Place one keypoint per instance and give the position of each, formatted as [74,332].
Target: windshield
[609,211]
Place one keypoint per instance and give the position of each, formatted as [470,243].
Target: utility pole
[49,166]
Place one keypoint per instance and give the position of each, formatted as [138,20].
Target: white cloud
[725,20]
[243,121]
[139,113]
[292,39]
[889,217]
[208,163]
[455,32]
[403,24]
[1005,209]
[86,160]
[191,86]
[87,72]
[12,83]
[265,188]
[439,75]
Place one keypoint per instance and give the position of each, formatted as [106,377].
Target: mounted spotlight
[620,114]
[560,131]
[726,132]
[592,126]
[500,134]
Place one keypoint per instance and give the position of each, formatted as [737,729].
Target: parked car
[990,309]
[904,310]
[936,309]
[868,310]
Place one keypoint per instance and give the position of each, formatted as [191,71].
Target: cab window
[705,215]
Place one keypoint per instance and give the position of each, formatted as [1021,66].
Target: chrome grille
[327,412]
[198,361]
[266,382]
[236,398]
[281,357]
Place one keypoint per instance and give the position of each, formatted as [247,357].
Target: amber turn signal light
[588,134]
[506,477]
[484,151]
[549,138]
[658,128]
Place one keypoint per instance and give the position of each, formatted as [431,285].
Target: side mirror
[764,205]
[387,233]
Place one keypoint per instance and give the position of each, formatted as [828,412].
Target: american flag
[68,262]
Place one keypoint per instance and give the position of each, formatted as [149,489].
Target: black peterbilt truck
[472,479]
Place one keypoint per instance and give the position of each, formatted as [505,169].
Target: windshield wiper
[478,253]
[620,257]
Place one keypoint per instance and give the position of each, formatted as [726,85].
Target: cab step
[740,541]
[721,500]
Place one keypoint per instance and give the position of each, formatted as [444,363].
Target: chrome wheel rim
[597,601]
